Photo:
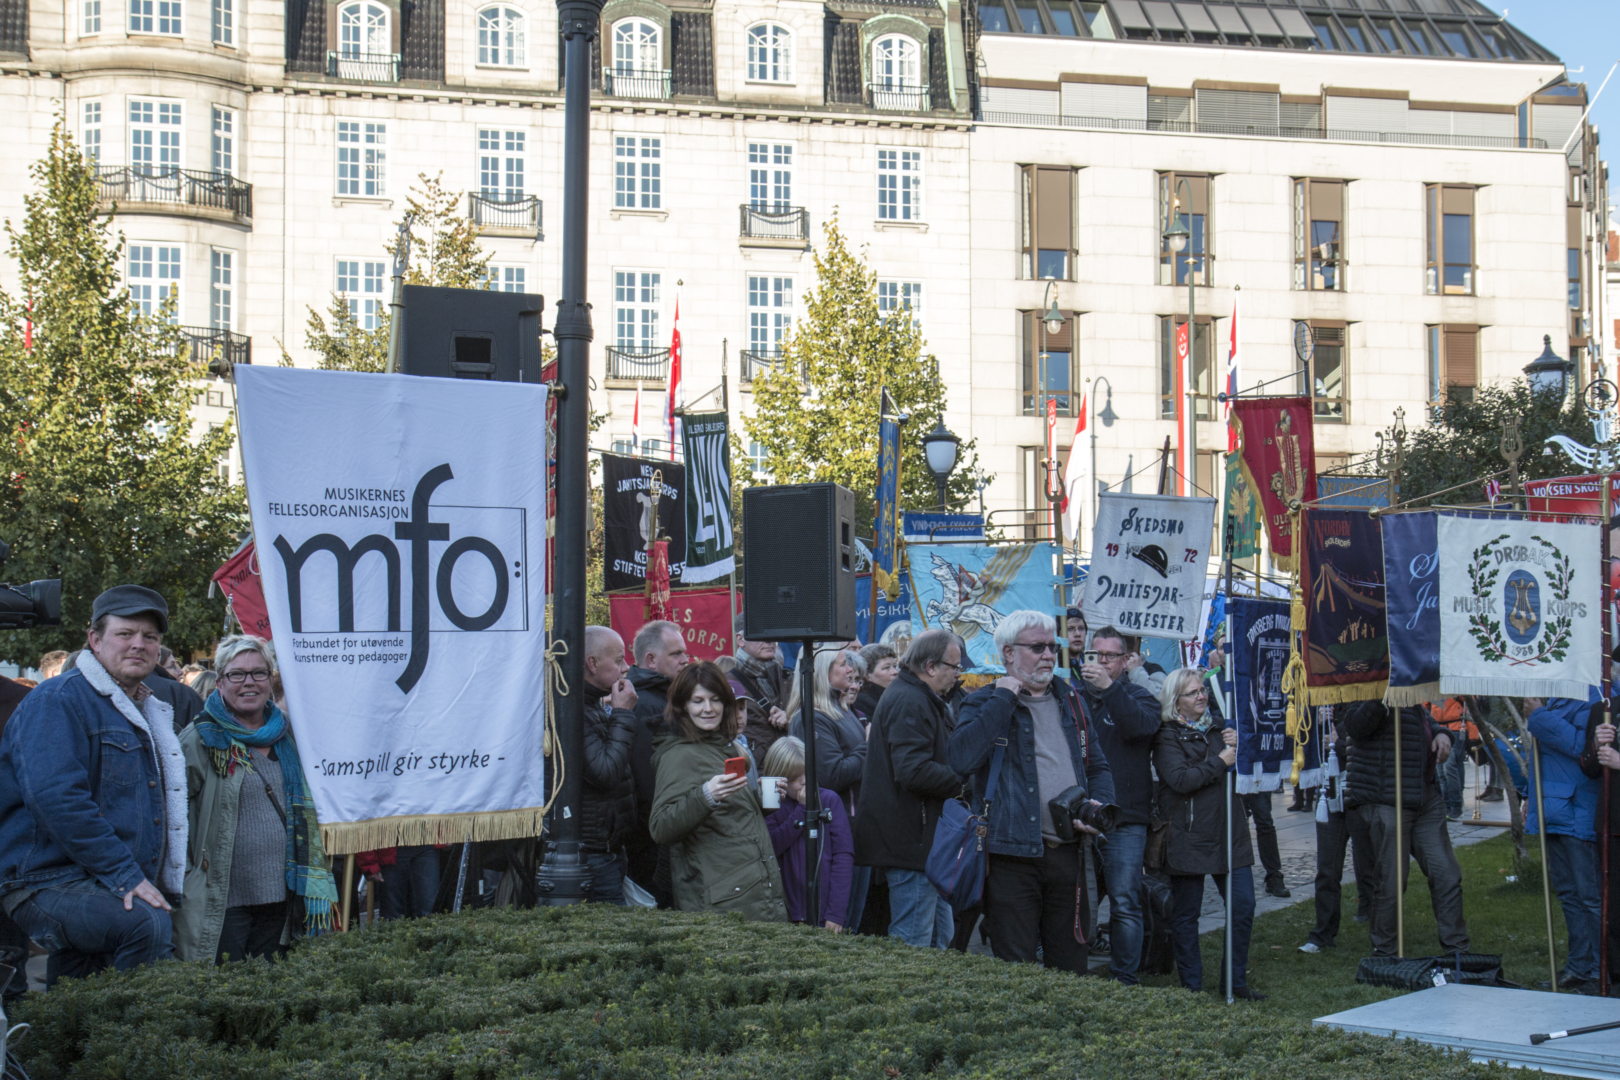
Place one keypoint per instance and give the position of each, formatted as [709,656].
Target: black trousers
[252,931]
[1332,838]
[1039,902]
[1258,805]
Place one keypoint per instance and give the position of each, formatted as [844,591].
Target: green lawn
[1503,917]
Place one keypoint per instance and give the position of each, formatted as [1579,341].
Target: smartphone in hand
[736,766]
[1091,656]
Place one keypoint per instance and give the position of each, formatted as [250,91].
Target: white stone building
[1388,173]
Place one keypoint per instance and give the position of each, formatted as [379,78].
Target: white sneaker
[1310,947]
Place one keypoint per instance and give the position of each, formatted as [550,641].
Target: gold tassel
[1298,724]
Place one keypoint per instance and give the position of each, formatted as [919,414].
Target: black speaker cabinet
[799,568]
[471,334]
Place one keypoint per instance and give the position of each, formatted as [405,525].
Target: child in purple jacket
[786,826]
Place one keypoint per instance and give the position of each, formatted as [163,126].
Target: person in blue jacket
[1570,799]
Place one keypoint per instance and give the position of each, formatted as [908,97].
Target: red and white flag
[1232,381]
[676,398]
[1183,414]
[635,423]
[1074,475]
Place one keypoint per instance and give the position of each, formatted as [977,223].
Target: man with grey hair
[904,785]
[764,690]
[658,652]
[1032,893]
[608,797]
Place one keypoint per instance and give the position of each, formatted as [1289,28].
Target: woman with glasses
[1192,755]
[256,875]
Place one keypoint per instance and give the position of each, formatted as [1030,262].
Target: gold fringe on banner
[1339,695]
[350,837]
[1397,697]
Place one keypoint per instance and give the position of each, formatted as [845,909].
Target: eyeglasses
[1110,656]
[947,663]
[237,678]
[1200,692]
[1039,648]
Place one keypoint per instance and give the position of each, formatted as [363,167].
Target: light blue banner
[969,589]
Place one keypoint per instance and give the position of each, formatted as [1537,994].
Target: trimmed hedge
[598,992]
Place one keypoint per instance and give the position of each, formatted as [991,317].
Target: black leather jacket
[608,803]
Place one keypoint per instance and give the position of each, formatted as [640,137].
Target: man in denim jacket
[1033,891]
[93,800]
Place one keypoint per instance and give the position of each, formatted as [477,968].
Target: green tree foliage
[1462,441]
[444,252]
[101,481]
[846,353]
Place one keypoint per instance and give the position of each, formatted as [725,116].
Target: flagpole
[725,404]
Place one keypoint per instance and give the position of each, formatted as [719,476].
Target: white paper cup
[768,794]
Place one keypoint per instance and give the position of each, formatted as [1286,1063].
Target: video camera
[23,607]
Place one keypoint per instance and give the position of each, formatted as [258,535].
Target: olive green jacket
[214,800]
[720,859]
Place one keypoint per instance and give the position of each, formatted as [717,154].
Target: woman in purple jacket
[786,826]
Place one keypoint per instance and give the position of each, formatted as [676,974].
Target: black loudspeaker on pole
[563,878]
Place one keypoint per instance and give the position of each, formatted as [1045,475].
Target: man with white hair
[1032,895]
[608,797]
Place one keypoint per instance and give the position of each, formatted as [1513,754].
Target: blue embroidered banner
[969,589]
[1259,652]
[1412,593]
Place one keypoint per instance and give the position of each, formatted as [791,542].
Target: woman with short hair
[1192,754]
[882,665]
[256,874]
[720,854]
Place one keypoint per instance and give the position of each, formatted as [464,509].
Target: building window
[1449,240]
[363,31]
[362,159]
[756,462]
[154,137]
[901,296]
[92,16]
[222,290]
[92,132]
[1573,217]
[637,48]
[1048,233]
[1319,234]
[360,284]
[150,16]
[140,16]
[1453,362]
[154,278]
[223,141]
[1324,376]
[224,22]
[1198,257]
[895,67]
[1049,364]
[635,309]
[1203,369]
[770,54]
[500,164]
[770,177]
[637,173]
[501,38]
[770,313]
[900,185]
[506,278]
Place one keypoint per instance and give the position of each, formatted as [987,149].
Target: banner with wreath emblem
[1519,606]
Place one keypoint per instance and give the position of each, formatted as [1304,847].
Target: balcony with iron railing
[216,348]
[164,189]
[774,226]
[636,83]
[1260,131]
[626,365]
[757,363]
[497,216]
[897,97]
[362,66]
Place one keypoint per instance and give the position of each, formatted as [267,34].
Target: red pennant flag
[239,580]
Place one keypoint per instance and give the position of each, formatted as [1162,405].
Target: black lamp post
[940,447]
[1548,373]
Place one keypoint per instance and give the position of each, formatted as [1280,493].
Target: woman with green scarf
[256,875]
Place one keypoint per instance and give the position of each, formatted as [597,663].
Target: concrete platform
[1494,1024]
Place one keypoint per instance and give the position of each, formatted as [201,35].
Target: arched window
[363,31]
[637,48]
[770,53]
[501,37]
[894,64]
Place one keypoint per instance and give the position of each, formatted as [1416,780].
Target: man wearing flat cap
[93,800]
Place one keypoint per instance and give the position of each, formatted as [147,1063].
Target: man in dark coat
[608,801]
[905,783]
[1370,793]
[764,691]
[11,695]
[1597,758]
[659,649]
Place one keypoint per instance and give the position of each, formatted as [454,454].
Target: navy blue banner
[1259,651]
[1412,596]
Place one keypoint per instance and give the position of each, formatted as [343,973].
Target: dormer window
[363,31]
[770,53]
[502,38]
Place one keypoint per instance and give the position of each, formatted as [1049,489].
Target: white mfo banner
[1520,606]
[401,525]
[1149,554]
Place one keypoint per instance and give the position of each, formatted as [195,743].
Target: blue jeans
[1573,866]
[1120,853]
[918,915]
[411,886]
[1453,776]
[859,883]
[607,877]
[86,927]
[1187,898]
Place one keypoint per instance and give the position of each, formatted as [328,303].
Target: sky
[1582,33]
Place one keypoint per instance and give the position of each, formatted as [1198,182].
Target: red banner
[1580,495]
[700,613]
[240,581]
[1279,462]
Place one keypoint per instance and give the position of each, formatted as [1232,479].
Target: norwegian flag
[1232,380]
[635,423]
[1074,474]
[676,398]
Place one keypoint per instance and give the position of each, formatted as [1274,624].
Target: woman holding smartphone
[720,853]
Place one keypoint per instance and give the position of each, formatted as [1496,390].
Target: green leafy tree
[844,352]
[103,480]
[444,252]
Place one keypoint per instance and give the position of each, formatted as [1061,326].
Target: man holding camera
[1053,788]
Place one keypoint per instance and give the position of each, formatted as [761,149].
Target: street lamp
[939,448]
[1548,373]
[1177,239]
